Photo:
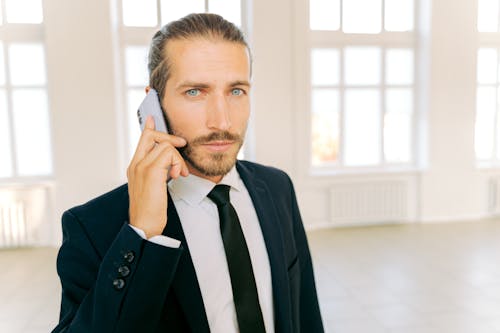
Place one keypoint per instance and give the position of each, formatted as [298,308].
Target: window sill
[23,182]
[331,172]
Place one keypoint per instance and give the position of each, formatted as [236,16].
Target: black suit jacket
[114,281]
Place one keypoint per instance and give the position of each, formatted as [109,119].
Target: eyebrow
[192,84]
[240,83]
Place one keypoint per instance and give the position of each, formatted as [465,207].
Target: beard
[211,164]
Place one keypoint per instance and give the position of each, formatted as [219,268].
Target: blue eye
[193,92]
[237,92]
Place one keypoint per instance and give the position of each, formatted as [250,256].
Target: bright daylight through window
[362,83]
[25,143]
[487,131]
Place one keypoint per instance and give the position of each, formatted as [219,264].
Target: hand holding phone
[155,160]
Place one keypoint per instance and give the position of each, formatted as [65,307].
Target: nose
[218,113]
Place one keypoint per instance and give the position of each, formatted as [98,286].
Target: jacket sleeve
[309,312]
[122,290]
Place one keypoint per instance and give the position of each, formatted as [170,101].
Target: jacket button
[123,271]
[118,284]
[129,256]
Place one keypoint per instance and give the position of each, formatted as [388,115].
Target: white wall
[81,92]
[87,148]
[452,186]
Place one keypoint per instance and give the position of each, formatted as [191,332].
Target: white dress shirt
[200,223]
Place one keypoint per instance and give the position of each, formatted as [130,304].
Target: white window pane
[486,102]
[362,16]
[487,15]
[362,127]
[397,125]
[399,15]
[5,148]
[362,65]
[487,62]
[2,64]
[134,99]
[24,11]
[140,13]
[325,126]
[399,65]
[172,10]
[399,101]
[136,65]
[32,132]
[325,67]
[229,9]
[324,14]
[27,64]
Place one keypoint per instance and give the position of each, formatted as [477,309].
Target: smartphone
[150,106]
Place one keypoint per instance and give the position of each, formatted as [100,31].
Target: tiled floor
[421,278]
[411,279]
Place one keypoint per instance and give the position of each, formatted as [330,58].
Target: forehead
[204,59]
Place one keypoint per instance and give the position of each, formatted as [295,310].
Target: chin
[214,164]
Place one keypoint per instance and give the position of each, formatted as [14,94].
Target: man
[224,248]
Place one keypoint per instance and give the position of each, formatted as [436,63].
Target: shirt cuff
[158,239]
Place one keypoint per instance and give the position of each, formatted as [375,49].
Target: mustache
[216,136]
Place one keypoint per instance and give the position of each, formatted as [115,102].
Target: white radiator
[25,215]
[369,202]
[13,225]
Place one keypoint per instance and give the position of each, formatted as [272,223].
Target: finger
[150,122]
[184,169]
[164,156]
[168,163]
[175,171]
[149,139]
[159,137]
[177,167]
[157,150]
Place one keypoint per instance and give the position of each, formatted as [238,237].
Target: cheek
[187,126]
[240,115]
[185,118]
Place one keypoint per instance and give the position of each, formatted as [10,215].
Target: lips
[218,146]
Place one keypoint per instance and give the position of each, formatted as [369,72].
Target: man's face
[207,101]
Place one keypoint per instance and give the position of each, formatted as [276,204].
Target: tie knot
[219,194]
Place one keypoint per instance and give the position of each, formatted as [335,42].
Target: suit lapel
[185,284]
[269,223]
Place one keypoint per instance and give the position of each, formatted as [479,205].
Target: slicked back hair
[206,26]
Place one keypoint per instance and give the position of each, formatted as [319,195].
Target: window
[25,144]
[362,60]
[487,126]
[139,21]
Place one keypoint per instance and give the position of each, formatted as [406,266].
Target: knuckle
[140,167]
[131,169]
[147,133]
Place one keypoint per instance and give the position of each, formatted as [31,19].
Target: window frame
[23,33]
[490,40]
[339,41]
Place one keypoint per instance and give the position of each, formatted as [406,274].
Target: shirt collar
[194,189]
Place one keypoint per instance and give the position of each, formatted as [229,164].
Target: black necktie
[245,295]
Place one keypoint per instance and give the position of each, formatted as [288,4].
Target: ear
[147,89]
